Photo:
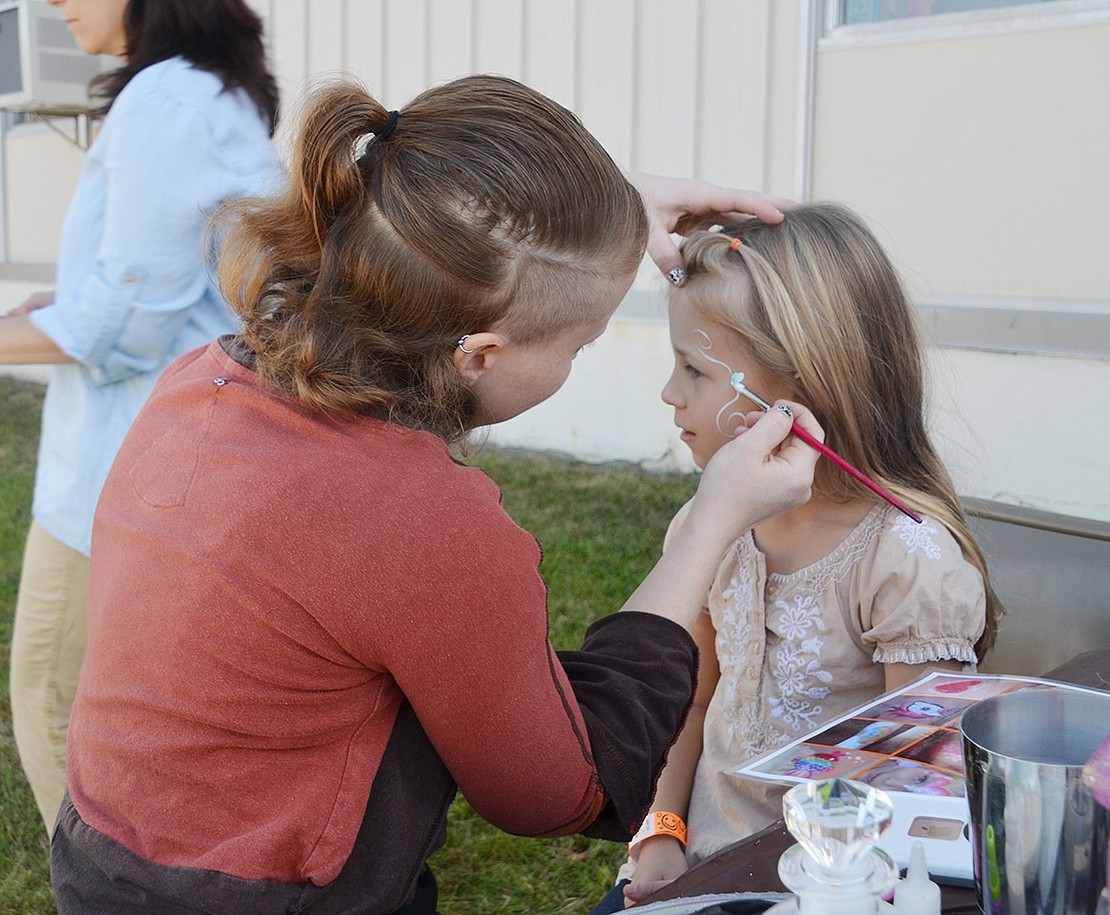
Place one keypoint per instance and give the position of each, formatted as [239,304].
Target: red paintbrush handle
[852,471]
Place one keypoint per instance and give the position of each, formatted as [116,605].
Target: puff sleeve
[921,600]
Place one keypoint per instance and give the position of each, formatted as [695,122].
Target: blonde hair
[823,311]
[485,204]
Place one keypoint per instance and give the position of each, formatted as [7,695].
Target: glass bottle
[837,867]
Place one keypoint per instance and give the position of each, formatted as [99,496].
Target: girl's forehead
[684,314]
[693,332]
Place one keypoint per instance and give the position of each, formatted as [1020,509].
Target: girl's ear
[476,353]
[796,390]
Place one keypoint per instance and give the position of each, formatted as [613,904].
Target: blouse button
[130,279]
[219,382]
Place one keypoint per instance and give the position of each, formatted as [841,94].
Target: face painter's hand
[761,473]
[682,205]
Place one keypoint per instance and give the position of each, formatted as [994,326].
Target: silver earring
[462,345]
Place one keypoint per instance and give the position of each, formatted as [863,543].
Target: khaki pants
[48,644]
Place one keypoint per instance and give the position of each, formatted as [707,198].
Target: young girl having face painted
[823,606]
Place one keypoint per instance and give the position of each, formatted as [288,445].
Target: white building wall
[978,154]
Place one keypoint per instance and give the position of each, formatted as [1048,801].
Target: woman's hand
[661,860]
[33,302]
[681,205]
[760,473]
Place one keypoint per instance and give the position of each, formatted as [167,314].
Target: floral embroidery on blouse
[917,536]
[754,735]
[734,629]
[769,644]
[796,668]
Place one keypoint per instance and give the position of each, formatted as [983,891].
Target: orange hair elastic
[736,243]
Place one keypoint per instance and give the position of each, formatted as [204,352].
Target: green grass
[24,882]
[601,530]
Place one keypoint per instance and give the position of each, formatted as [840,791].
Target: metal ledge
[1078,329]
[1084,335]
[1036,519]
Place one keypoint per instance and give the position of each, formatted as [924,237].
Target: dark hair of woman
[223,37]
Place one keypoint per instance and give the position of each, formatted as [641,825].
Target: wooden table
[751,865]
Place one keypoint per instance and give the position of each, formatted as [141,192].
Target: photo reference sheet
[908,743]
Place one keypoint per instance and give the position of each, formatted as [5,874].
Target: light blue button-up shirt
[134,288]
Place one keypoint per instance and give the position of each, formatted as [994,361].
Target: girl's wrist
[656,848]
[659,824]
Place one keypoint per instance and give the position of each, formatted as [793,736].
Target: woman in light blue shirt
[187,125]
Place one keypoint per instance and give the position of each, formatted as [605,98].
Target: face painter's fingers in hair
[677,205]
[788,451]
[802,417]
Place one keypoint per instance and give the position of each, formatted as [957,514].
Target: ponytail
[325,161]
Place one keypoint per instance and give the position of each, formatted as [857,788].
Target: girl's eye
[692,372]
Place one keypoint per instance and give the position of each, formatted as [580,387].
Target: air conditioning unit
[41,67]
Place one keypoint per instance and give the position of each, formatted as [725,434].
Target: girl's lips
[687,437]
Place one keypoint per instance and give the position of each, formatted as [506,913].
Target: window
[854,12]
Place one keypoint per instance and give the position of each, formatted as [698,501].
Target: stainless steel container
[1038,836]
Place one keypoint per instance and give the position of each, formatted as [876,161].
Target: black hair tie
[390,123]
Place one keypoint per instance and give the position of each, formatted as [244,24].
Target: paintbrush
[737,382]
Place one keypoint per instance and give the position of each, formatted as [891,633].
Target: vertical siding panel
[289,63]
[607,74]
[288,20]
[498,44]
[406,50]
[732,103]
[550,51]
[783,159]
[324,38]
[364,42]
[667,86]
[450,39]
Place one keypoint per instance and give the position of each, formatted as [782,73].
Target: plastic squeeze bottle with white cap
[916,894]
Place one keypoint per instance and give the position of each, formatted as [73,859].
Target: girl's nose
[669,393]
